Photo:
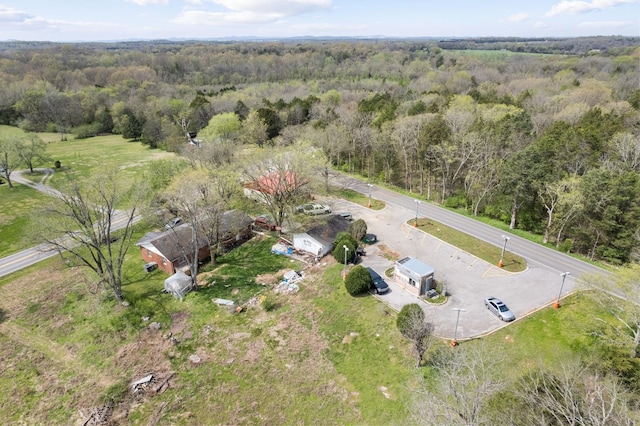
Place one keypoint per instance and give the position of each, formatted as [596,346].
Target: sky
[109,20]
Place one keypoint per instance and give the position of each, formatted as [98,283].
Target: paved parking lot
[469,280]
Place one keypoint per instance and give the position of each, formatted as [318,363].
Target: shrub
[456,201]
[270,303]
[344,239]
[115,393]
[566,246]
[85,131]
[358,281]
[407,317]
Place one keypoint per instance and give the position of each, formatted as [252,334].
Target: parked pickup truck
[313,209]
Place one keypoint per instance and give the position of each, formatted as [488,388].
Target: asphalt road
[469,279]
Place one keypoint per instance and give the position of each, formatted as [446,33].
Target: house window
[148,253]
[164,261]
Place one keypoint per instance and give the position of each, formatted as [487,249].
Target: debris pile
[141,385]
[288,284]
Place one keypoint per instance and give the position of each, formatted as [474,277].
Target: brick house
[283,183]
[173,250]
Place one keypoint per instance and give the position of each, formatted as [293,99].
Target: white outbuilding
[319,240]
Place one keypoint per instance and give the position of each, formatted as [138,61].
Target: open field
[81,156]
[18,204]
[320,354]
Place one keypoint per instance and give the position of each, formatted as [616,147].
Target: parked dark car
[379,286]
[370,238]
[173,223]
[499,309]
[151,266]
[265,222]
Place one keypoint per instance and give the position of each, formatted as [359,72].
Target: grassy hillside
[319,354]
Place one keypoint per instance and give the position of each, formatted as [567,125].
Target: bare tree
[201,198]
[85,224]
[574,395]
[280,178]
[625,286]
[416,328]
[405,136]
[467,377]
[9,156]
[32,151]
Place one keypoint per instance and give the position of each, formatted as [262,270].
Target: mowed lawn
[85,156]
[16,207]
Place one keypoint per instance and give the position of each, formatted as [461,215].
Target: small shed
[414,275]
[178,284]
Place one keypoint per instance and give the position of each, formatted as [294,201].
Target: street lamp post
[556,305]
[454,342]
[504,246]
[344,271]
[415,224]
[370,186]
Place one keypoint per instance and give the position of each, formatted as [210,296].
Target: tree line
[547,143]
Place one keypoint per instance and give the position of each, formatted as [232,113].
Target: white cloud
[198,17]
[9,14]
[16,20]
[573,7]
[518,17]
[147,2]
[606,24]
[251,11]
[282,7]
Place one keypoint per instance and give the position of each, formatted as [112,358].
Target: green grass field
[18,205]
[82,157]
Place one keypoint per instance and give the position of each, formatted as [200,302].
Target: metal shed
[414,275]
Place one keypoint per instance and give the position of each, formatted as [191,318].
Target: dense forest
[541,134]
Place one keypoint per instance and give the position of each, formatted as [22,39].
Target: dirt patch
[386,252]
[271,279]
[147,355]
[179,323]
